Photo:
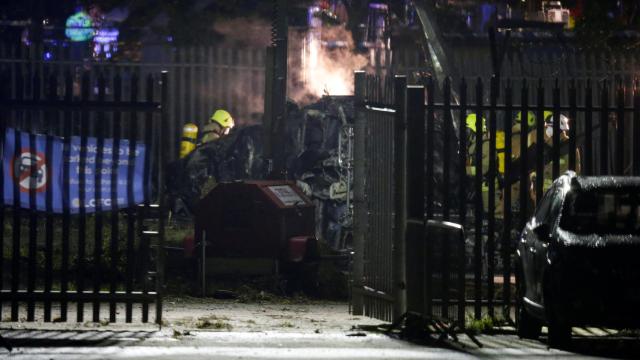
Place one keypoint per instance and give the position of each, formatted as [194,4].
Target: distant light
[106,36]
[108,55]
[379,6]
[24,37]
[169,38]
[48,55]
[79,27]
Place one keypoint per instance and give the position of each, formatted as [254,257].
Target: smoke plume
[327,64]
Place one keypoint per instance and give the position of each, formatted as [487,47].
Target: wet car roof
[599,182]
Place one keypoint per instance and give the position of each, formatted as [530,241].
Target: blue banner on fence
[30,169]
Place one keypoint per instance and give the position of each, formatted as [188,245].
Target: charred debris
[317,141]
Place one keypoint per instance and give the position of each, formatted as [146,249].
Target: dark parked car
[579,258]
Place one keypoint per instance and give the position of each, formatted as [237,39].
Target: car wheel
[527,326]
[559,333]
[559,329]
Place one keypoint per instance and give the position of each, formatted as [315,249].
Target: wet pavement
[164,344]
[196,329]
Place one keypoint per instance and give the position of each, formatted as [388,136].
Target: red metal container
[254,221]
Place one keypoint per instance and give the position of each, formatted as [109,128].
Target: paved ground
[198,329]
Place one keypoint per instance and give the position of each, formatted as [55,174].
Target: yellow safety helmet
[531,119]
[223,118]
[471,123]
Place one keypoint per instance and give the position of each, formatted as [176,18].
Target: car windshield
[602,211]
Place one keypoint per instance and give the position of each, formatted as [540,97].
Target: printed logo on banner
[29,170]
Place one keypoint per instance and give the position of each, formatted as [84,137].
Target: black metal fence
[81,194]
[439,173]
[546,59]
[203,78]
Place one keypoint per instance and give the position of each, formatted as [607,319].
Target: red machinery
[254,227]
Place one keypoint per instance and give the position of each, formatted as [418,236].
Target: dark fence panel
[68,136]
[203,78]
[444,265]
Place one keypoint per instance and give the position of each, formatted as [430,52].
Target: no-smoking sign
[29,170]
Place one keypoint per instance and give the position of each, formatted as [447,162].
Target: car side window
[556,206]
[543,210]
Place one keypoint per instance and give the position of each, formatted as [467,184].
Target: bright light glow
[329,71]
[79,27]
[106,36]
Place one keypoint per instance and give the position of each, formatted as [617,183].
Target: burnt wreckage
[318,142]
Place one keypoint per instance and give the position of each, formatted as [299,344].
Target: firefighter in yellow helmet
[548,145]
[516,129]
[219,125]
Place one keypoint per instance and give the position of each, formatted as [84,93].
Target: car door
[533,247]
[540,256]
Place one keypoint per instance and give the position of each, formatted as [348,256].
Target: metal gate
[82,196]
[425,160]
[373,198]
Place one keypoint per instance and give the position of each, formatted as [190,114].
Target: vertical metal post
[636,129]
[115,228]
[131,223]
[415,198]
[189,82]
[82,181]
[4,95]
[33,213]
[203,260]
[491,182]
[97,193]
[400,184]
[359,189]
[461,255]
[425,250]
[66,198]
[17,211]
[556,132]
[446,168]
[508,178]
[479,208]
[160,261]
[462,197]
[462,150]
[279,89]
[177,97]
[430,125]
[539,185]
[620,129]
[51,118]
[427,258]
[573,124]
[143,212]
[588,129]
[604,129]
[524,144]
[267,118]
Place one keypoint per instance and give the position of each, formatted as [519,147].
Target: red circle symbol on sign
[29,170]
